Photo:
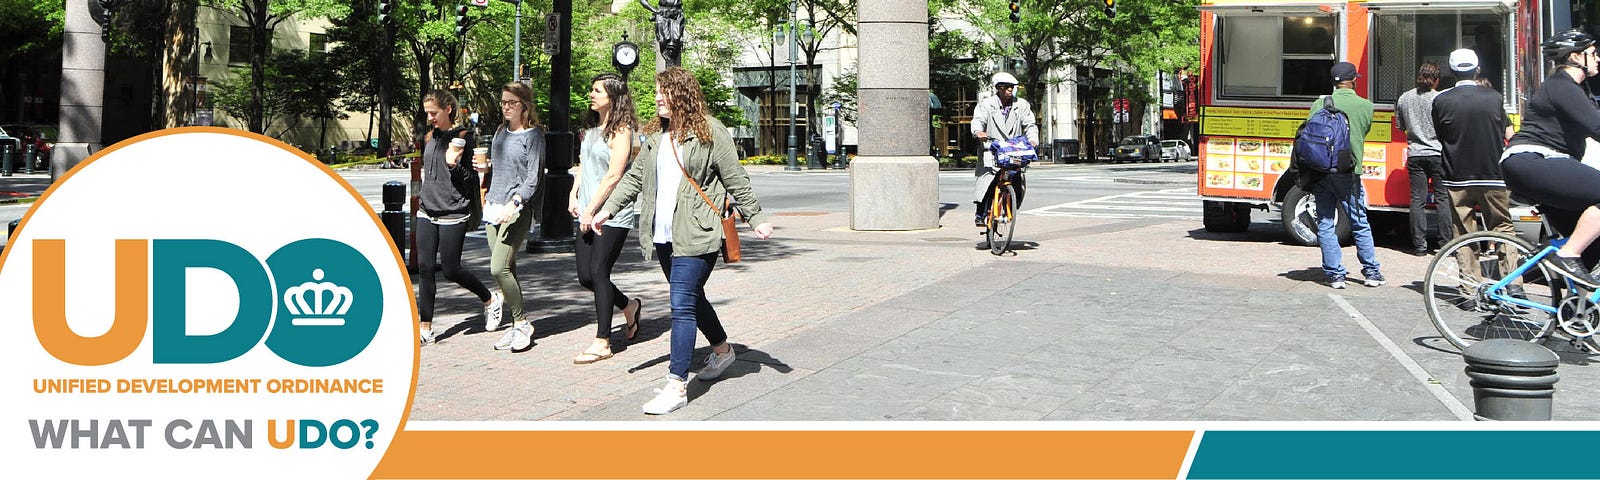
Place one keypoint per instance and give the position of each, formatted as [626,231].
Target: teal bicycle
[1486,285]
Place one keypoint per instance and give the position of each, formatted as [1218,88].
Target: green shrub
[765,160]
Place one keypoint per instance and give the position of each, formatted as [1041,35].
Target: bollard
[29,158]
[12,230]
[5,160]
[1511,379]
[394,218]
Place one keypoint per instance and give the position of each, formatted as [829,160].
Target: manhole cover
[798,214]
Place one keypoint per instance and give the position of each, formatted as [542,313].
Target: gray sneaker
[1336,282]
[1375,279]
[715,364]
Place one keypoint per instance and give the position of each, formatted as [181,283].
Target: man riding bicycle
[1542,162]
[997,118]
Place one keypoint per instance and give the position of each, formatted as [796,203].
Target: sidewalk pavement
[1092,319]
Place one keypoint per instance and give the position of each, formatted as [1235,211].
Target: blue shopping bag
[1013,153]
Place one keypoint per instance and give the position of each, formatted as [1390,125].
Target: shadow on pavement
[747,361]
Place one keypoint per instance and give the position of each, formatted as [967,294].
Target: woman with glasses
[1542,162]
[608,145]
[517,158]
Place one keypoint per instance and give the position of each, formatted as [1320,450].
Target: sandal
[586,358]
[632,329]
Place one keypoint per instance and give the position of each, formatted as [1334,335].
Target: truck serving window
[1275,56]
[1403,41]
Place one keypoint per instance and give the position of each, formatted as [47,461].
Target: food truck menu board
[1249,166]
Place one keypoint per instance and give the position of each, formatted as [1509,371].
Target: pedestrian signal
[461,20]
[385,7]
[1111,8]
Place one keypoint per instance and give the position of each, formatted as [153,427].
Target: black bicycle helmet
[1558,46]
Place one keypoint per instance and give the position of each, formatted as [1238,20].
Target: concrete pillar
[83,79]
[894,182]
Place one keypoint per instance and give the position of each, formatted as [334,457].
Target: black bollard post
[554,231]
[1511,379]
[394,216]
[5,160]
[29,158]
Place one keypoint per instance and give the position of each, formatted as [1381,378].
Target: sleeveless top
[595,159]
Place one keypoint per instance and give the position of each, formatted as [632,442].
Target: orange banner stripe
[785,454]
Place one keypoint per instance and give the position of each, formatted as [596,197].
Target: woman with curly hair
[608,145]
[688,152]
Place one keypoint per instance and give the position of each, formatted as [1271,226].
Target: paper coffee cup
[458,143]
[480,151]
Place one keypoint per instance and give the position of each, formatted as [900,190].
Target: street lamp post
[794,107]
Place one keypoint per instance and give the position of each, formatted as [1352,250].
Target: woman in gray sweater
[518,161]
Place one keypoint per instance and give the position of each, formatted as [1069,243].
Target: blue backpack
[1323,142]
[1013,153]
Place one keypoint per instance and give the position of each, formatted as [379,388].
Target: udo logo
[319,322]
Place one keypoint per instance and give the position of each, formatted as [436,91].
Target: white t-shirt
[668,179]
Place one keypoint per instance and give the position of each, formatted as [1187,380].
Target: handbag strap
[674,146]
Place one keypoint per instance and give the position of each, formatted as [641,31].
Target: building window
[238,45]
[319,45]
[1404,41]
[1300,51]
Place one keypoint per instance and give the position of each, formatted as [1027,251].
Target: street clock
[625,55]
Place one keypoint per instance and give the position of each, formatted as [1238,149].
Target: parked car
[20,136]
[1175,150]
[1139,148]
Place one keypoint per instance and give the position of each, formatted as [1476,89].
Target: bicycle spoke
[1458,299]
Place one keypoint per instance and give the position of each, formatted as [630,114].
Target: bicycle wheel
[1002,218]
[1457,290]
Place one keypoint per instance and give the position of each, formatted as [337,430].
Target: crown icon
[318,303]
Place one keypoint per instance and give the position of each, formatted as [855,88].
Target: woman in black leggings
[448,187]
[608,142]
[1542,161]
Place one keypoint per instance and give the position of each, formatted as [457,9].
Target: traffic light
[385,7]
[1016,12]
[461,20]
[1111,8]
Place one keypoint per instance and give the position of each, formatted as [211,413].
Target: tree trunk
[176,65]
[259,39]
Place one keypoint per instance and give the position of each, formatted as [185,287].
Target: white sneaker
[671,397]
[492,311]
[504,343]
[715,364]
[427,337]
[521,336]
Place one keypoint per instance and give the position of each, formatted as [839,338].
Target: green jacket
[1358,110]
[696,228]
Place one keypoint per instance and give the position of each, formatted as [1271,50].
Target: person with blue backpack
[1328,152]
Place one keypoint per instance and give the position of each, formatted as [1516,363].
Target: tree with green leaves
[262,17]
[298,85]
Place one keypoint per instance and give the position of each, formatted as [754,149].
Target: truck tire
[1225,217]
[1299,217]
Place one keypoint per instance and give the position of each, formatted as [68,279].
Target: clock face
[627,55]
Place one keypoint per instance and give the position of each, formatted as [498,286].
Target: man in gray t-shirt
[1414,114]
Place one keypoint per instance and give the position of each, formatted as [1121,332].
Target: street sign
[552,34]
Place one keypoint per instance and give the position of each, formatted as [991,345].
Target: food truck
[1263,63]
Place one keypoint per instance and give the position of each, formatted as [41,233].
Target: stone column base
[894,193]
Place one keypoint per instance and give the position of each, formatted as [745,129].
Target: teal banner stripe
[1395,454]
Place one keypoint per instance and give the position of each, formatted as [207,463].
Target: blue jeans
[1346,191]
[690,309]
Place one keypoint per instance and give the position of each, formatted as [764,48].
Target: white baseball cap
[1463,60]
[1002,77]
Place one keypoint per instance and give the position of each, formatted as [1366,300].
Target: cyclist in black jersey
[1542,162]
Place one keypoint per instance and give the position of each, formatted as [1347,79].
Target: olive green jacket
[696,227]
